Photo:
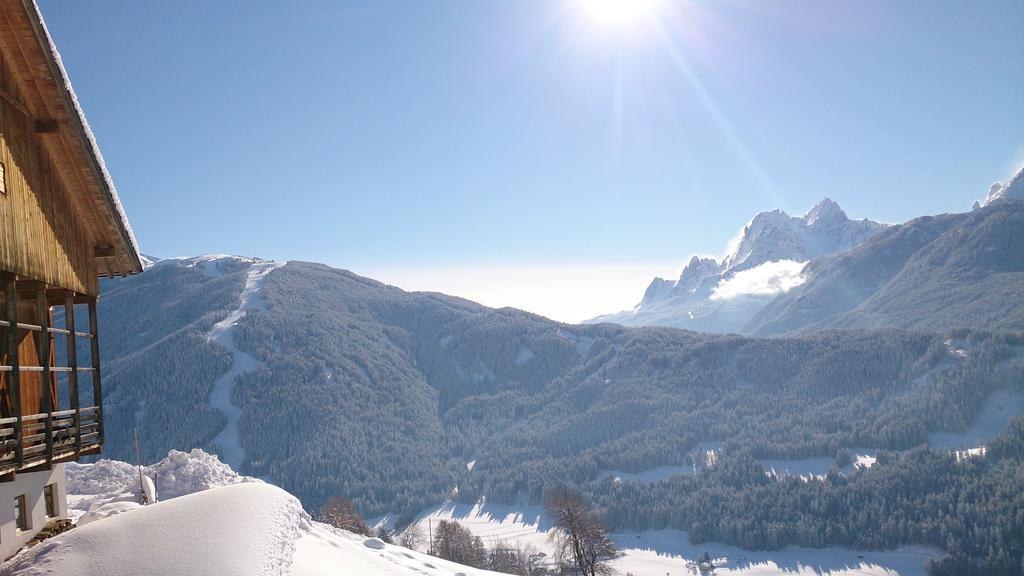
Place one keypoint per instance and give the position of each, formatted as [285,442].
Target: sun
[619,13]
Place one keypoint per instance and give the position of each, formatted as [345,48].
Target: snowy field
[993,418]
[819,467]
[668,552]
[653,475]
[211,522]
[996,413]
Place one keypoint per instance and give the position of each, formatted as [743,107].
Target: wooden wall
[39,235]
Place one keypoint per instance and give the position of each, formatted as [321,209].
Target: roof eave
[86,136]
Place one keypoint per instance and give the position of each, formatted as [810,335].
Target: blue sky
[520,152]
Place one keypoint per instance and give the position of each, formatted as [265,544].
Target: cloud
[764,280]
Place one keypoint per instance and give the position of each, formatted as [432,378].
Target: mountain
[767,259]
[1014,188]
[935,273]
[342,385]
[331,384]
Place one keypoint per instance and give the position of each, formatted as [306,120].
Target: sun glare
[619,13]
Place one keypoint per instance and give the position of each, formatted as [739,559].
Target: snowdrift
[110,487]
[211,521]
[248,529]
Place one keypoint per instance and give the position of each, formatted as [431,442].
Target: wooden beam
[44,337]
[46,126]
[97,390]
[104,251]
[14,377]
[72,353]
[10,99]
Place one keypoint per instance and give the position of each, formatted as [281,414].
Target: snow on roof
[87,133]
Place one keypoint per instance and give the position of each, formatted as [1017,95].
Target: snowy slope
[212,521]
[321,550]
[765,260]
[669,552]
[1014,188]
[247,529]
[222,333]
[109,487]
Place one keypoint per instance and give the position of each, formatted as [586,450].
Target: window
[21,513]
[50,497]
[3,179]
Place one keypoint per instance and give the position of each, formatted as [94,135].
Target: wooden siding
[40,236]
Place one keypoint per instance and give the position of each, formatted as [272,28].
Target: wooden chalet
[61,228]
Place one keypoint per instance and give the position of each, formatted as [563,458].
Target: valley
[657,552]
[401,400]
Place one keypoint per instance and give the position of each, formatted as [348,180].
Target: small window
[3,179]
[21,513]
[50,497]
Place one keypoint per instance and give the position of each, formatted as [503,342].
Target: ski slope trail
[222,333]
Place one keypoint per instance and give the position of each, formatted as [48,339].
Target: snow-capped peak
[696,271]
[211,264]
[774,236]
[827,210]
[766,258]
[1012,189]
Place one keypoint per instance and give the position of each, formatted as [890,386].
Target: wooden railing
[47,438]
[34,441]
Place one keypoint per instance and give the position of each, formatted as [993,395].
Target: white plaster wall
[31,485]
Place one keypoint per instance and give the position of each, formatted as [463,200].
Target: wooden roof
[47,97]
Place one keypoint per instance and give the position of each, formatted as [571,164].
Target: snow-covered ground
[247,529]
[669,552]
[223,333]
[109,487]
[322,550]
[652,475]
[705,452]
[819,467]
[995,415]
[210,521]
[660,552]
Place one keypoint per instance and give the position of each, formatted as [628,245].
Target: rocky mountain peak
[825,212]
[1014,188]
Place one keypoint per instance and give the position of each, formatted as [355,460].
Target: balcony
[44,419]
[48,438]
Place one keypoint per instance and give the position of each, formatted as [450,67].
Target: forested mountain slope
[933,274]
[416,385]
[399,400]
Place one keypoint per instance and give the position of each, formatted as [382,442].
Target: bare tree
[454,542]
[411,537]
[385,534]
[515,558]
[579,537]
[341,513]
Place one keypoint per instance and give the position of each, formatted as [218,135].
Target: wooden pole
[97,390]
[14,376]
[72,352]
[43,338]
[138,464]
